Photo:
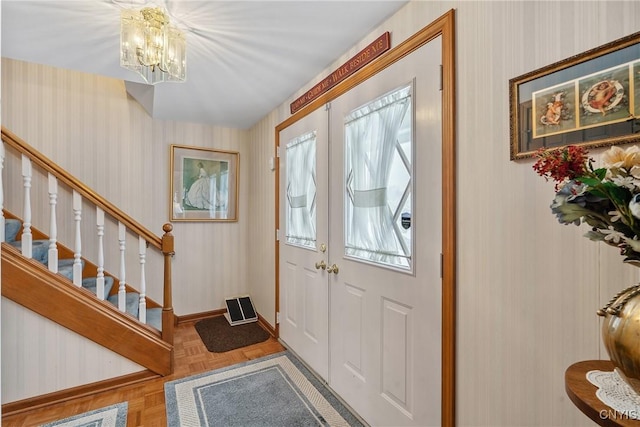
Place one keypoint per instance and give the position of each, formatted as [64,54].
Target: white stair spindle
[122,288]
[100,276]
[142,311]
[53,226]
[2,222]
[77,255]
[27,238]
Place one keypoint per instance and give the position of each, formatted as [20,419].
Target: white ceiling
[244,58]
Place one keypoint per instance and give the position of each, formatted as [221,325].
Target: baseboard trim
[263,322]
[213,313]
[17,407]
[194,317]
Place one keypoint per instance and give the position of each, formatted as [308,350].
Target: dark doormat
[219,336]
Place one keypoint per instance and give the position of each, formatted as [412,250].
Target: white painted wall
[528,288]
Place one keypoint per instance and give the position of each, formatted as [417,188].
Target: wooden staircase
[28,283]
[122,318]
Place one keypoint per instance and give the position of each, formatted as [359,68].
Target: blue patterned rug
[109,416]
[271,391]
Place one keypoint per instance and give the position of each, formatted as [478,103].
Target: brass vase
[621,334]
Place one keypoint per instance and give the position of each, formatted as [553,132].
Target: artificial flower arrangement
[606,198]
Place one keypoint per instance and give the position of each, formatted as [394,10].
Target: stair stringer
[29,284]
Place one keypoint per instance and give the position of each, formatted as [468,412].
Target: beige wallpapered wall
[528,288]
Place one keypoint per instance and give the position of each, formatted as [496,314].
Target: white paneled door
[385,235]
[361,242]
[303,239]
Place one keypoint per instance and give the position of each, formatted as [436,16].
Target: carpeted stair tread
[89,283]
[132,302]
[68,261]
[40,252]
[154,317]
[65,267]
[39,249]
[11,228]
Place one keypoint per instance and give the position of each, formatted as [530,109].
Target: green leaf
[598,193]
[600,173]
[618,195]
[591,182]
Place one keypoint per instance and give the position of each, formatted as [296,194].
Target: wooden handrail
[164,243]
[45,163]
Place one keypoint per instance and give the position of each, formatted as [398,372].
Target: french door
[385,216]
[361,240]
[303,240]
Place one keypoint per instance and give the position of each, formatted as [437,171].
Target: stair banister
[142,310]
[66,178]
[80,192]
[100,276]
[167,309]
[27,237]
[122,285]
[77,249]
[53,227]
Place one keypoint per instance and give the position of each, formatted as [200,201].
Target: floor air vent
[240,310]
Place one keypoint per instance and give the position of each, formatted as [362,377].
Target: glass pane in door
[300,204]
[378,175]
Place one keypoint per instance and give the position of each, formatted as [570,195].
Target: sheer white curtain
[371,134]
[301,191]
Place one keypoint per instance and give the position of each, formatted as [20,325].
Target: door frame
[445,28]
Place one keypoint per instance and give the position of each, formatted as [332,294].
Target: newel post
[167,309]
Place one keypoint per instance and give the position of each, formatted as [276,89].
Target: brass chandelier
[152,47]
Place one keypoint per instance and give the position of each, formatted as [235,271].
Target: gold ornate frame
[591,99]
[204,184]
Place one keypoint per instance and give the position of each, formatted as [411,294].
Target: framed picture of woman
[204,184]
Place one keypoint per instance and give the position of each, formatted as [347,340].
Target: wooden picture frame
[591,99]
[204,184]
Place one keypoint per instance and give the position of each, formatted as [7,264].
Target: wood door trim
[444,26]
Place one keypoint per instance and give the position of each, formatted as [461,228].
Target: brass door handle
[332,269]
[321,265]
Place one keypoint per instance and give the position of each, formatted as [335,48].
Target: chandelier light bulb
[150,46]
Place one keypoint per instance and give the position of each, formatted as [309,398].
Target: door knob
[332,269]
[321,265]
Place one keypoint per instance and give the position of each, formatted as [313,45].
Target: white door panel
[303,287]
[385,323]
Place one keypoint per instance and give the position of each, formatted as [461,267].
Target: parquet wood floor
[146,400]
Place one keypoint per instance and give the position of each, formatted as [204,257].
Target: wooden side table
[583,394]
